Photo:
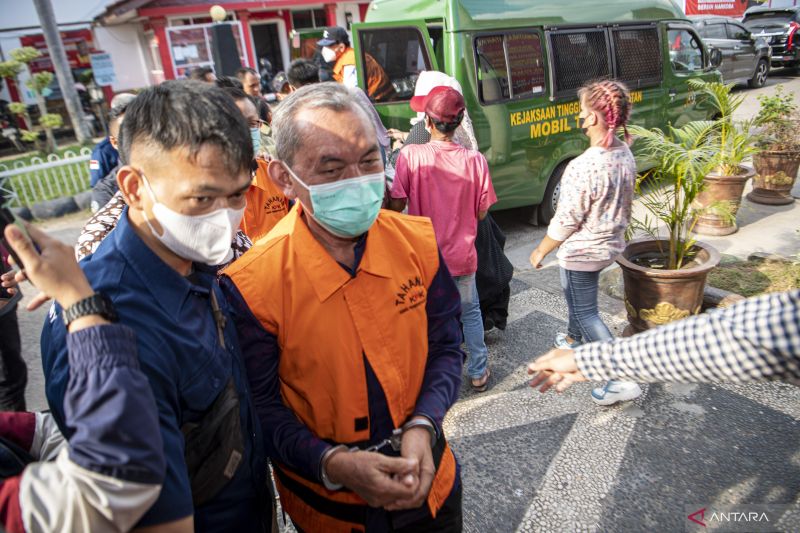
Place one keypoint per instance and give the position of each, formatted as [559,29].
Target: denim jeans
[580,290]
[472,322]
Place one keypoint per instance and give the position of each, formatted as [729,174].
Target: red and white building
[153,40]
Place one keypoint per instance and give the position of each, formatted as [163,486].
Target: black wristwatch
[96,304]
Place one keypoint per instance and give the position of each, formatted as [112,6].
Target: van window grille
[579,57]
[509,66]
[637,55]
[525,62]
[492,70]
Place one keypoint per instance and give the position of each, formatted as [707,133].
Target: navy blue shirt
[104,158]
[180,353]
[292,443]
[110,405]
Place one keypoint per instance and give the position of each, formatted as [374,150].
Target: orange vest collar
[324,273]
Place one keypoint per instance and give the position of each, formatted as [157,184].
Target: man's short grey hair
[288,135]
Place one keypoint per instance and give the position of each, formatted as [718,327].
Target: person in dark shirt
[106,187]
[110,472]
[184,185]
[104,158]
[302,72]
[251,84]
[13,371]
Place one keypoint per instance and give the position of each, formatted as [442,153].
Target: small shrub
[51,120]
[18,108]
[26,54]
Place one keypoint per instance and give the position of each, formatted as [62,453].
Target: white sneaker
[562,342]
[616,391]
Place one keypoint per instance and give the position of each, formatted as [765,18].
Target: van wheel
[760,75]
[547,209]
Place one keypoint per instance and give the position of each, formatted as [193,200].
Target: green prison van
[520,64]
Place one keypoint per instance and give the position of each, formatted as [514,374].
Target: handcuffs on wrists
[395,441]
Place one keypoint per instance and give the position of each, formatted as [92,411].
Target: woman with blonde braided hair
[594,208]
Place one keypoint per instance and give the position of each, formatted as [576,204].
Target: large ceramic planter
[655,296]
[719,188]
[776,173]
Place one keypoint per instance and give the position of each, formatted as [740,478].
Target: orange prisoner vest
[379,88]
[326,321]
[266,205]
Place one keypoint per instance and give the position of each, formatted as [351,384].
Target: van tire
[547,209]
[759,78]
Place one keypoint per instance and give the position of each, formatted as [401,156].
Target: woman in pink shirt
[594,208]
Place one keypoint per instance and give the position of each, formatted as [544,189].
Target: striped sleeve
[757,339]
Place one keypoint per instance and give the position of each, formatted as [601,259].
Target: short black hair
[166,116]
[200,73]
[238,94]
[229,81]
[244,71]
[447,128]
[302,72]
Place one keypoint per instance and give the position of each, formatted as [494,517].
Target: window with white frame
[190,47]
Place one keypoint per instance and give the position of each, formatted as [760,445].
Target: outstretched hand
[557,368]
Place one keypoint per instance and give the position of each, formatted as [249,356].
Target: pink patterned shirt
[594,208]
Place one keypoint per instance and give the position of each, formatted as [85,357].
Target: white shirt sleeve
[350,76]
[61,496]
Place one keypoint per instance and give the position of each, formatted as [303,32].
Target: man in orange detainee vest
[335,45]
[266,203]
[348,320]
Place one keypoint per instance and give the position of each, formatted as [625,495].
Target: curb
[54,208]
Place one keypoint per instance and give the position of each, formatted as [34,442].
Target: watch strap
[96,304]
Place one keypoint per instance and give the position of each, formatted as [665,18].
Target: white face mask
[328,54]
[202,238]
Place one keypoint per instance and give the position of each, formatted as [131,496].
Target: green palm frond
[719,95]
[682,157]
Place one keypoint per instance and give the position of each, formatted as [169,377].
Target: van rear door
[399,52]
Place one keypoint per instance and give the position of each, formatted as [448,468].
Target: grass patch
[751,278]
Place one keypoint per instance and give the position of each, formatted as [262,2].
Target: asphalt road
[533,462]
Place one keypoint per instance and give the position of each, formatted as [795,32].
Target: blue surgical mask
[346,208]
[255,136]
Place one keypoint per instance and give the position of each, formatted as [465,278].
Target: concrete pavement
[533,462]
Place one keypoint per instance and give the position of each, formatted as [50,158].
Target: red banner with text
[728,8]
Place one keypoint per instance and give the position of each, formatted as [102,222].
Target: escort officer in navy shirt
[185,185]
[105,155]
[104,158]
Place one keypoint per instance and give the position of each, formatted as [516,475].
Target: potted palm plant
[777,161]
[665,272]
[733,142]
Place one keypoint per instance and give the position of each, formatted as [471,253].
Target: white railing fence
[27,183]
